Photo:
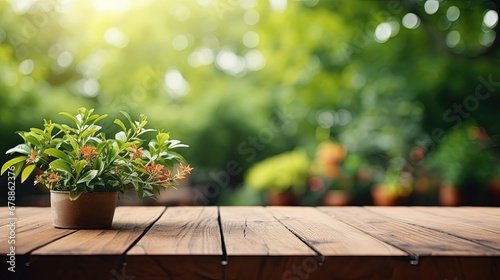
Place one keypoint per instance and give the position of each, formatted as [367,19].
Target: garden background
[326,100]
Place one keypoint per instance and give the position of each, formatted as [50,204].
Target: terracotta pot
[449,195]
[337,198]
[281,198]
[383,197]
[90,210]
[494,186]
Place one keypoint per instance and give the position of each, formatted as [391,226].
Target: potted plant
[463,166]
[283,177]
[393,186]
[329,170]
[85,170]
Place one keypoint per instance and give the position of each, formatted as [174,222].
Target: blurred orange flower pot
[449,195]
[286,198]
[337,198]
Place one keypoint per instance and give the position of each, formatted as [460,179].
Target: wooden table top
[261,243]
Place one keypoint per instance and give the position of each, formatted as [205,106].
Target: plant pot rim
[54,191]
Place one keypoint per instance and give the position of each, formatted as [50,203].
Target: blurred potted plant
[283,177]
[328,167]
[84,169]
[394,186]
[462,164]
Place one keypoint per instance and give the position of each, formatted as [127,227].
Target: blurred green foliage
[280,173]
[245,80]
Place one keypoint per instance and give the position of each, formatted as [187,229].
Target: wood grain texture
[182,231]
[33,229]
[397,268]
[271,267]
[254,231]
[262,243]
[494,211]
[415,240]
[473,216]
[21,213]
[128,224]
[174,267]
[454,227]
[75,267]
[329,236]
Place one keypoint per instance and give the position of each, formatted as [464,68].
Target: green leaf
[61,165]
[99,118]
[175,155]
[11,162]
[48,126]
[58,154]
[18,168]
[177,144]
[132,124]
[65,128]
[89,131]
[121,136]
[74,195]
[37,131]
[87,177]
[129,144]
[27,172]
[79,167]
[69,115]
[140,192]
[73,143]
[21,148]
[99,165]
[121,124]
[33,140]
[162,137]
[127,116]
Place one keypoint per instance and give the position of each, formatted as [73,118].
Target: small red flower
[164,176]
[53,178]
[154,168]
[88,152]
[32,157]
[137,152]
[186,169]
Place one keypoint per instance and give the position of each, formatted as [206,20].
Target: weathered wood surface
[330,236]
[261,243]
[444,224]
[182,231]
[128,224]
[185,243]
[253,231]
[413,239]
[33,229]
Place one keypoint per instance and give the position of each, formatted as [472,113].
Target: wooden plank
[271,267]
[21,213]
[182,231]
[415,240]
[75,267]
[173,267]
[33,229]
[128,224]
[184,243]
[465,215]
[254,231]
[453,227]
[25,219]
[329,236]
[494,211]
